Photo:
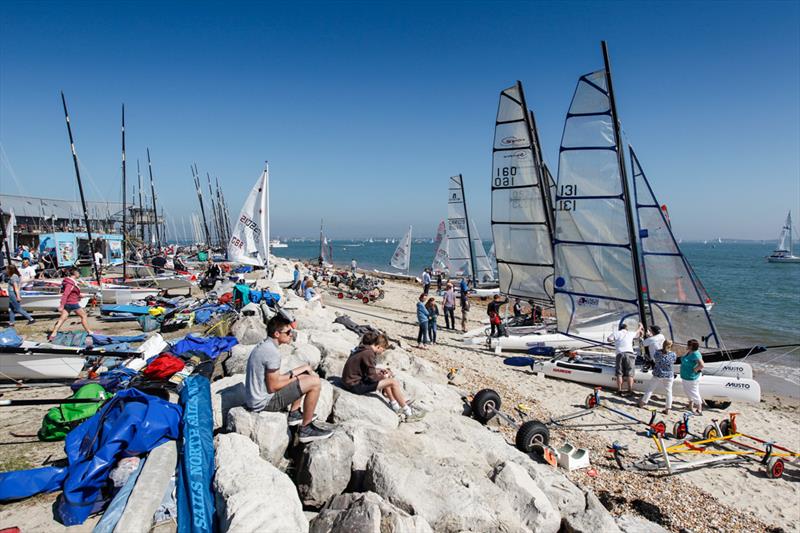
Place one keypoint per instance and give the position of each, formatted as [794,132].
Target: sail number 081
[505,177]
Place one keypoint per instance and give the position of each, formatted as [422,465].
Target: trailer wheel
[380,294]
[365,300]
[532,435]
[591,401]
[710,432]
[660,428]
[484,405]
[718,404]
[679,430]
[359,296]
[774,468]
[725,427]
[340,295]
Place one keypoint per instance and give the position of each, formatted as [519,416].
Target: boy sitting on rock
[360,376]
[266,389]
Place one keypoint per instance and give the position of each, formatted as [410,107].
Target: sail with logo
[465,250]
[440,259]
[522,213]
[401,259]
[674,299]
[248,242]
[597,280]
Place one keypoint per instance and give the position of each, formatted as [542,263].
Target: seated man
[266,389]
[360,376]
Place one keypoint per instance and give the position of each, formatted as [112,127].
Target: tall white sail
[484,272]
[250,237]
[440,259]
[521,203]
[594,273]
[676,300]
[784,240]
[401,258]
[10,228]
[458,241]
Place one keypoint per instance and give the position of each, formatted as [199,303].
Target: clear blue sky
[364,109]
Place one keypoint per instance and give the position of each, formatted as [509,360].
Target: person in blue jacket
[422,320]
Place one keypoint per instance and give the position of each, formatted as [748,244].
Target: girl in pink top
[70,303]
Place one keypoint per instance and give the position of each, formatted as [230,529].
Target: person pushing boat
[625,360]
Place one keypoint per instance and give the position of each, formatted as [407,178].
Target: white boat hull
[38,367]
[715,387]
[784,259]
[123,295]
[43,301]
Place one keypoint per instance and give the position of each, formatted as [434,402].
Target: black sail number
[504,176]
[567,204]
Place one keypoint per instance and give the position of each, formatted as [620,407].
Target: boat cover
[211,346]
[127,309]
[9,337]
[196,459]
[131,423]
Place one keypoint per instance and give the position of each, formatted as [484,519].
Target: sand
[732,497]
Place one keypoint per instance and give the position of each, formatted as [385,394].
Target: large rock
[366,513]
[429,396]
[251,494]
[226,393]
[236,363]
[312,316]
[250,329]
[637,524]
[300,354]
[399,359]
[324,469]
[527,498]
[593,517]
[331,344]
[325,401]
[366,408]
[268,430]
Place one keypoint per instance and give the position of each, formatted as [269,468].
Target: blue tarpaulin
[131,423]
[196,459]
[211,346]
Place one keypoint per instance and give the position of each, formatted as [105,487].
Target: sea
[755,302]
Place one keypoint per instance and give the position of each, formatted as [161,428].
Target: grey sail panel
[522,238]
[676,301]
[594,279]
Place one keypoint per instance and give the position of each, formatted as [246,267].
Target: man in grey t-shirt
[266,389]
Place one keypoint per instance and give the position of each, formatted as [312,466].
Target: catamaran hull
[711,387]
[40,367]
[39,302]
[126,294]
[523,343]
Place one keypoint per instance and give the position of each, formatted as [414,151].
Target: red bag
[163,366]
[226,298]
[495,319]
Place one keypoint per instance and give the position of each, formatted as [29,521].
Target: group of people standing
[428,311]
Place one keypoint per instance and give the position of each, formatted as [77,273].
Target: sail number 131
[565,204]
[505,177]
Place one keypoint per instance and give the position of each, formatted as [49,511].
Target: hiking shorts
[71,308]
[624,365]
[284,397]
[365,387]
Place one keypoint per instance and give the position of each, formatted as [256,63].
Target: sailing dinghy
[249,240]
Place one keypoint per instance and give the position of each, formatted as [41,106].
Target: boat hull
[32,302]
[721,388]
[40,367]
[784,259]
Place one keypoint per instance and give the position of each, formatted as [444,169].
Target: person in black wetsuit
[493,310]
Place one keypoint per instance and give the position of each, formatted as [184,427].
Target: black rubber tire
[591,401]
[718,404]
[532,434]
[484,405]
[710,432]
[679,430]
[774,468]
[725,426]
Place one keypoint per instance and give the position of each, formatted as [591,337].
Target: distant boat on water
[276,243]
[783,253]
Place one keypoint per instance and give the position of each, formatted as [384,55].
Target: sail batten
[520,204]
[248,242]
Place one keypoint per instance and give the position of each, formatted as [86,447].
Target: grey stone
[236,363]
[250,329]
[268,430]
[331,344]
[594,517]
[325,401]
[527,498]
[226,393]
[324,468]
[637,524]
[366,513]
[251,494]
[301,354]
[367,408]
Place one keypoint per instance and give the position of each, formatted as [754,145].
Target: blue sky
[364,109]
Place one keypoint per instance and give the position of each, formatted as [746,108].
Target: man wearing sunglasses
[269,390]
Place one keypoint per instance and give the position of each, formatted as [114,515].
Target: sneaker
[296,417]
[311,433]
[31,321]
[415,416]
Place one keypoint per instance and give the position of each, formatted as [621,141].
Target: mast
[544,184]
[213,210]
[469,235]
[199,190]
[632,237]
[321,255]
[80,189]
[3,236]
[124,203]
[153,193]
[141,207]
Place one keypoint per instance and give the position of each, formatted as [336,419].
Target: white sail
[248,243]
[594,277]
[784,240]
[458,245]
[440,259]
[401,258]
[484,272]
[10,227]
[521,212]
